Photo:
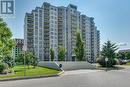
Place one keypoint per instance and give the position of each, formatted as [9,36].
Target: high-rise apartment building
[29,31]
[91,38]
[18,48]
[49,26]
[62,25]
[72,26]
[42,31]
[50,30]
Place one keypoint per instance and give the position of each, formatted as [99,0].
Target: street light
[106,60]
[24,49]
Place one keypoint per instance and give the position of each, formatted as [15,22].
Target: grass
[31,72]
[128,63]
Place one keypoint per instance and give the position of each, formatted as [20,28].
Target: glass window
[51,8]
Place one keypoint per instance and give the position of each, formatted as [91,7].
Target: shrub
[110,62]
[5,71]
[3,66]
[8,60]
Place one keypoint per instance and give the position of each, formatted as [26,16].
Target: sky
[112,17]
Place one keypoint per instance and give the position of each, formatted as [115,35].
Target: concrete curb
[113,68]
[35,77]
[61,72]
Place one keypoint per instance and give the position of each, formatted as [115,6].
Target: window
[55,13]
[51,25]
[55,45]
[51,45]
[52,38]
[51,21]
[51,8]
[55,21]
[51,12]
[51,33]
[36,14]
[55,9]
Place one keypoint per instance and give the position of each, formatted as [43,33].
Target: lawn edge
[32,77]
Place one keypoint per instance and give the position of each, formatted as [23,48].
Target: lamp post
[106,60]
[24,49]
[24,64]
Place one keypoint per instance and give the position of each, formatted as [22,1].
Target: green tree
[6,41]
[121,55]
[118,56]
[108,51]
[52,54]
[20,59]
[30,59]
[34,61]
[127,54]
[79,49]
[61,53]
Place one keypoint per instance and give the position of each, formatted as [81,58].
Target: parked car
[121,62]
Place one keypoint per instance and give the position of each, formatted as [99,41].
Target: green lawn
[38,71]
[128,63]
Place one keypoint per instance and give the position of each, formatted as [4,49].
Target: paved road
[78,78]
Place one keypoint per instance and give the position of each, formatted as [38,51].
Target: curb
[61,73]
[35,77]
[109,69]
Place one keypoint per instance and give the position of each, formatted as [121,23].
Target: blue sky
[112,17]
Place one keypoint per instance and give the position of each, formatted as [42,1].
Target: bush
[8,60]
[110,62]
[5,71]
[3,66]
